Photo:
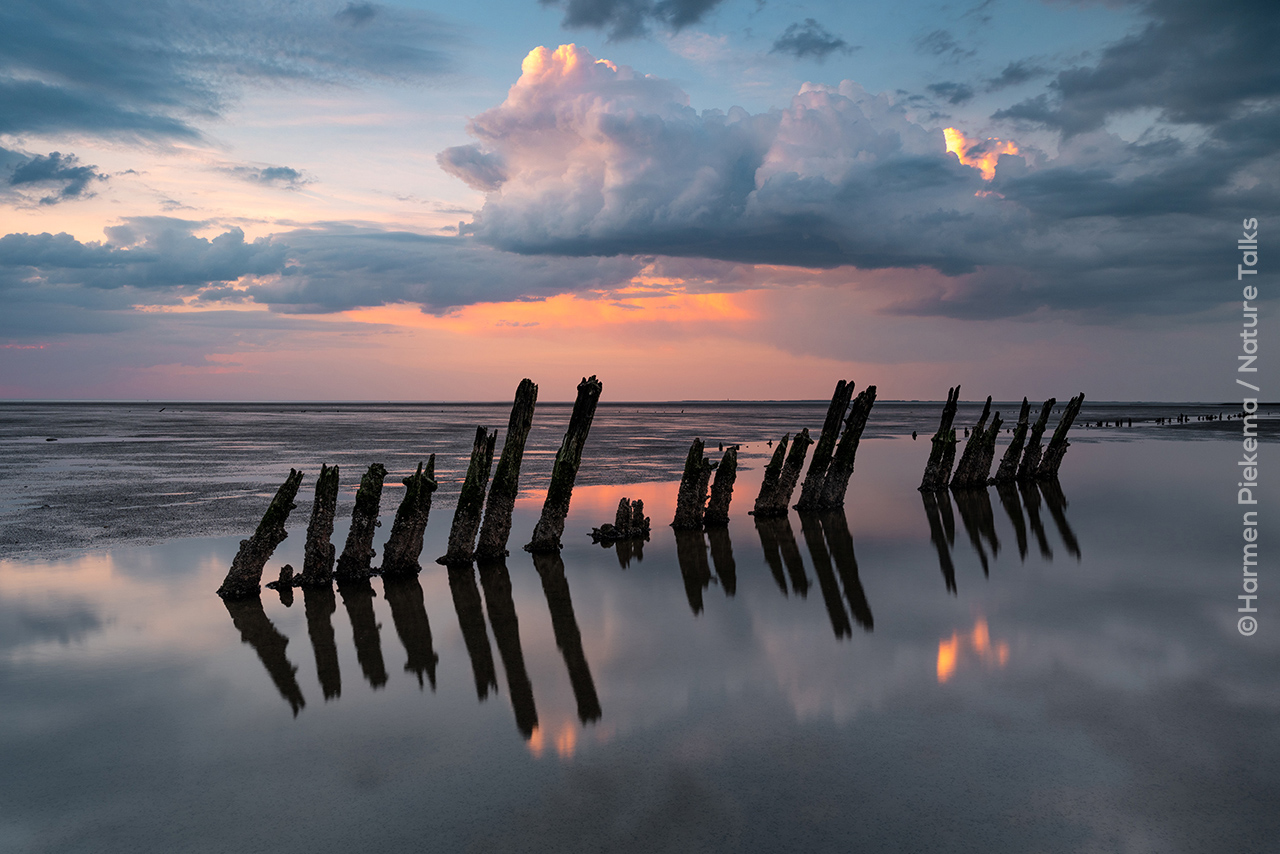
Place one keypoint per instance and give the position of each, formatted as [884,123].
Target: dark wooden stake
[506,477]
[404,546]
[1031,456]
[1008,469]
[358,551]
[691,500]
[824,448]
[963,474]
[836,483]
[772,474]
[317,562]
[466,516]
[546,534]
[244,579]
[722,489]
[781,495]
[1058,445]
[937,472]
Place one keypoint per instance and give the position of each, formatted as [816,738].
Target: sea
[1059,667]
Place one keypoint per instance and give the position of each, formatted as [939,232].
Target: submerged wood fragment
[358,551]
[937,472]
[245,576]
[691,499]
[317,562]
[404,546]
[824,448]
[466,516]
[506,477]
[550,527]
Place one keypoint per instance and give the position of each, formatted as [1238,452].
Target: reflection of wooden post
[937,472]
[409,613]
[1031,500]
[1058,445]
[568,637]
[722,489]
[811,530]
[692,497]
[1056,501]
[546,534]
[467,604]
[840,541]
[357,598]
[317,564]
[1008,469]
[506,477]
[466,516]
[244,579]
[722,557]
[824,448]
[939,537]
[358,552]
[259,632]
[836,483]
[767,529]
[496,582]
[691,555]
[1009,500]
[404,546]
[320,604]
[1031,456]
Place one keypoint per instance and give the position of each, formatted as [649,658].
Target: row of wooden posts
[474,535]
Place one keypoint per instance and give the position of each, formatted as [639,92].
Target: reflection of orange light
[979,641]
[980,154]
[535,743]
[566,741]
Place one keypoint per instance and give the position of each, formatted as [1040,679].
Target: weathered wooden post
[244,579]
[546,534]
[775,497]
[824,448]
[506,477]
[1031,456]
[772,474]
[1008,469]
[937,472]
[317,562]
[1058,445]
[358,551]
[722,489]
[692,497]
[984,451]
[466,516]
[963,473]
[404,546]
[836,483]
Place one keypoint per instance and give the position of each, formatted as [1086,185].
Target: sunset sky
[692,199]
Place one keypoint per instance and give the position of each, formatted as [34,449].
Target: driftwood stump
[722,489]
[1031,456]
[546,534]
[836,482]
[772,474]
[466,516]
[937,472]
[964,469]
[691,500]
[244,579]
[1008,469]
[404,546]
[317,562]
[824,448]
[358,551]
[506,477]
[1058,445]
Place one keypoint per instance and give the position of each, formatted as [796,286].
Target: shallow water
[1060,672]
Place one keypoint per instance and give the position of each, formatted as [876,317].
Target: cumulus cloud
[598,160]
[51,170]
[810,39]
[627,19]
[152,69]
[272,176]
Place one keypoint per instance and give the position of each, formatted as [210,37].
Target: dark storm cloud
[152,68]
[1196,61]
[843,178]
[1015,74]
[53,282]
[627,19]
[44,171]
[810,39]
[953,93]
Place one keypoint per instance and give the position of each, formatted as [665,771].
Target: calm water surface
[1046,670]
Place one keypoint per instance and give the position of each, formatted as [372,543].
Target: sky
[691,199]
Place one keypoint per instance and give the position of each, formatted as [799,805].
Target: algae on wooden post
[772,474]
[937,472]
[824,448]
[1008,469]
[358,551]
[691,500]
[836,482]
[317,562]
[404,546]
[546,534]
[1031,456]
[244,579]
[506,477]
[722,489]
[1052,460]
[466,516]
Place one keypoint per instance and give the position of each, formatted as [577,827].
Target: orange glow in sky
[978,642]
[980,154]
